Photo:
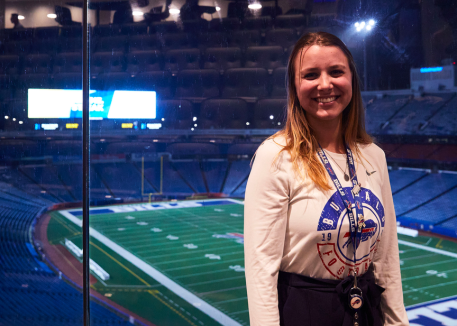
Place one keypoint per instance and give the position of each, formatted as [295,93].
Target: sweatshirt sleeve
[265,220]
[387,262]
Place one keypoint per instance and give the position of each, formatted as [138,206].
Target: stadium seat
[123,147]
[176,41]
[45,46]
[20,48]
[194,149]
[143,43]
[164,27]
[225,24]
[20,34]
[223,113]
[245,82]
[212,39]
[7,84]
[68,62]
[244,38]
[243,149]
[112,81]
[68,80]
[104,62]
[284,37]
[197,84]
[70,45]
[37,64]
[222,59]
[139,61]
[177,114]
[9,64]
[176,60]
[290,21]
[70,31]
[32,81]
[270,113]
[106,30]
[279,82]
[268,57]
[159,81]
[46,32]
[195,26]
[134,29]
[110,44]
[261,23]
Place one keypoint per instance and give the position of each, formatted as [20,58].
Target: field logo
[237,236]
[335,243]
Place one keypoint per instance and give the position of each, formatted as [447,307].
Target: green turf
[426,275]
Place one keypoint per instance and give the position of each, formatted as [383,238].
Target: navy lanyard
[356,226]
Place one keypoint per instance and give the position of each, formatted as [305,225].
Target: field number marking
[156,230]
[190,246]
[432,272]
[129,217]
[172,237]
[212,256]
[142,223]
[237,268]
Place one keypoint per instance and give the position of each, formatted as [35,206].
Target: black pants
[306,301]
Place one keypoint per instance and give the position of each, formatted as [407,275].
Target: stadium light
[247,123]
[20,122]
[218,8]
[174,11]
[7,117]
[137,13]
[192,129]
[194,119]
[52,16]
[14,119]
[195,124]
[271,117]
[364,26]
[163,119]
[20,17]
[255,6]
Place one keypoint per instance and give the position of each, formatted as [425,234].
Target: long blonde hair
[300,140]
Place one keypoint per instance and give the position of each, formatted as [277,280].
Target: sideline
[435,250]
[159,277]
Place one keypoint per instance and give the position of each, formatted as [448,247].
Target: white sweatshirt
[292,226]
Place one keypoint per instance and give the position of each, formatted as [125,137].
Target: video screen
[112,104]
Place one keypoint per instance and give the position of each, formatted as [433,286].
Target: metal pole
[364,65]
[86,164]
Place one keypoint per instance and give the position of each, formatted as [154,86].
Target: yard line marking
[239,312]
[216,281]
[429,302]
[417,257]
[212,263]
[203,273]
[195,258]
[435,250]
[427,275]
[142,253]
[429,287]
[232,300]
[430,264]
[222,290]
[159,277]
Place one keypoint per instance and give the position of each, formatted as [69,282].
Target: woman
[299,231]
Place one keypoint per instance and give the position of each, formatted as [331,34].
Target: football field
[182,263]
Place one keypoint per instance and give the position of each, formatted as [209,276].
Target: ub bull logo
[367,233]
[334,243]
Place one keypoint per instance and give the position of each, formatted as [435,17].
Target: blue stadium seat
[9,64]
[268,57]
[281,37]
[106,62]
[110,44]
[176,114]
[68,62]
[182,59]
[149,60]
[222,59]
[270,113]
[223,113]
[143,43]
[279,83]
[159,81]
[197,84]
[244,38]
[245,82]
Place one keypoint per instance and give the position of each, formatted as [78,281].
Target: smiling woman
[301,251]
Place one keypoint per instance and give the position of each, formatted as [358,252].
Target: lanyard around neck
[356,223]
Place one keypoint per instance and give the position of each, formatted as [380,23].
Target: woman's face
[323,82]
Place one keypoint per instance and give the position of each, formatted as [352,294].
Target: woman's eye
[309,75]
[337,71]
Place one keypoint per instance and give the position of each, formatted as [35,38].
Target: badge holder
[355,300]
